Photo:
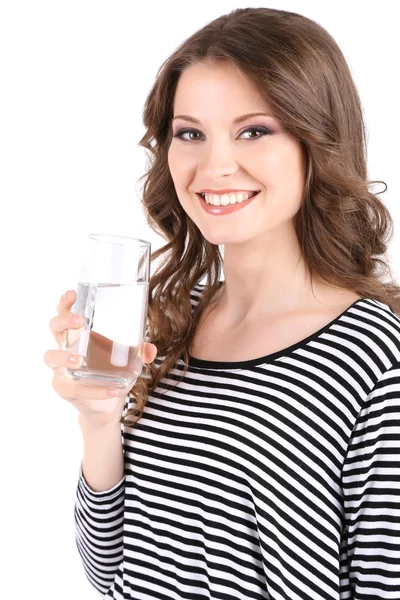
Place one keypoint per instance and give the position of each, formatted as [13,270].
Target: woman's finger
[61,358]
[149,353]
[69,389]
[65,302]
[61,323]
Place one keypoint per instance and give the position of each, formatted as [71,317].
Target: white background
[74,77]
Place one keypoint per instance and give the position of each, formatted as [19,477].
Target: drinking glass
[112,297]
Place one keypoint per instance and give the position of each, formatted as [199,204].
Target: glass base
[96,378]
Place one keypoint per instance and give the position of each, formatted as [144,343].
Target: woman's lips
[225,210]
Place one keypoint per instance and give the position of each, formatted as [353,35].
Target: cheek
[181,176]
[285,167]
[171,162]
[179,166]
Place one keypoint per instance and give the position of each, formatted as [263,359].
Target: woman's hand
[98,405]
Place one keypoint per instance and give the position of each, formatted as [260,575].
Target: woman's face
[212,149]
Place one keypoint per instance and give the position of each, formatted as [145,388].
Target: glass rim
[101,237]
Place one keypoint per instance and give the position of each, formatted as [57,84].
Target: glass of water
[112,297]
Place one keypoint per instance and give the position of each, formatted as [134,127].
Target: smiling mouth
[228,199]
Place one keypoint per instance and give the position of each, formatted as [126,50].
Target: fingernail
[112,393]
[73,360]
[75,319]
[66,296]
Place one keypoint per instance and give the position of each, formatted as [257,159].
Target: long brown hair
[342,227]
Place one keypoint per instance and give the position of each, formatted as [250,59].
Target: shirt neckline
[246,364]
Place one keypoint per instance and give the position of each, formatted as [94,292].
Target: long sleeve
[371,483]
[99,531]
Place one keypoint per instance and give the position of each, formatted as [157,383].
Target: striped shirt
[275,478]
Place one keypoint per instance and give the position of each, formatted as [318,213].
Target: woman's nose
[218,161]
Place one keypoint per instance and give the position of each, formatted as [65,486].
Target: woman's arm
[103,459]
[99,507]
[371,484]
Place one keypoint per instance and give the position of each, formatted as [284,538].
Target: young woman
[260,453]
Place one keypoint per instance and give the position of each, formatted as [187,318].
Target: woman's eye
[182,132]
[261,130]
[191,133]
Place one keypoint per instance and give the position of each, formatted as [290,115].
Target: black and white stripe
[276,478]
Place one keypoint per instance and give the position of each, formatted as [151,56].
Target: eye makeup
[260,129]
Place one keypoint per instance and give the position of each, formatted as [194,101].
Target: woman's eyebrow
[235,121]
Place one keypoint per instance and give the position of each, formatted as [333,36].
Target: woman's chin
[216,240]
[219,238]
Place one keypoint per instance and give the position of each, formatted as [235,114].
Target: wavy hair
[342,227]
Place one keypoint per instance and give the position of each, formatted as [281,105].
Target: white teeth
[225,199]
